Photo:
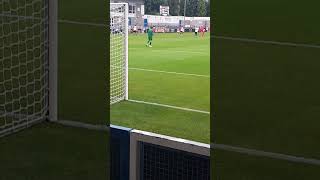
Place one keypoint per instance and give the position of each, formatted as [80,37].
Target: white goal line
[166,72]
[170,72]
[169,106]
[178,51]
[97,127]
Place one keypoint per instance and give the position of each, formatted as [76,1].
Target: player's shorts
[150,38]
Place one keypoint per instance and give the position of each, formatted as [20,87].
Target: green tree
[181,7]
[202,8]
[153,6]
[174,7]
[148,6]
[208,8]
[192,8]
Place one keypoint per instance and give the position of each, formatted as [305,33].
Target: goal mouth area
[116,100]
[26,29]
[118,52]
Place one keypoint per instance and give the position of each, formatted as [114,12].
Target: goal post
[53,60]
[28,63]
[118,52]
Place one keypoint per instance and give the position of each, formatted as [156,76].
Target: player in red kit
[202,30]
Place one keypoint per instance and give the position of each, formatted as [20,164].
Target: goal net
[24,63]
[118,52]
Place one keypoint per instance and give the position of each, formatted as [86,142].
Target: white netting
[118,52]
[23,63]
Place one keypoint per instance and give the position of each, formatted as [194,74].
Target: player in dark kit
[150,35]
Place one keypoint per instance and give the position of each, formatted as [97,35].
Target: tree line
[194,8]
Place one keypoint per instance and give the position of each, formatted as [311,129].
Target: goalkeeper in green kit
[150,35]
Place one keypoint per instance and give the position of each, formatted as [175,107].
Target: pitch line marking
[82,125]
[169,72]
[268,42]
[82,23]
[169,106]
[254,152]
[178,51]
[218,37]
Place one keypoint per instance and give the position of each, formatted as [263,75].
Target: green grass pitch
[51,151]
[230,166]
[176,72]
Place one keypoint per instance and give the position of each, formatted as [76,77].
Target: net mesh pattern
[162,163]
[117,52]
[23,63]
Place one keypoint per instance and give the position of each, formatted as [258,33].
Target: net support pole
[53,60]
[134,172]
[126,31]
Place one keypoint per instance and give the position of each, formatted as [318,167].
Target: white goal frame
[51,72]
[125,94]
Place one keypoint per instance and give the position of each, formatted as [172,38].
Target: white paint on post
[126,52]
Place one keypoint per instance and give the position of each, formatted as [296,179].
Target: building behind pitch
[136,12]
[137,17]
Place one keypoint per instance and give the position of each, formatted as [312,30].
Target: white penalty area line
[169,72]
[169,106]
[268,42]
[259,153]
